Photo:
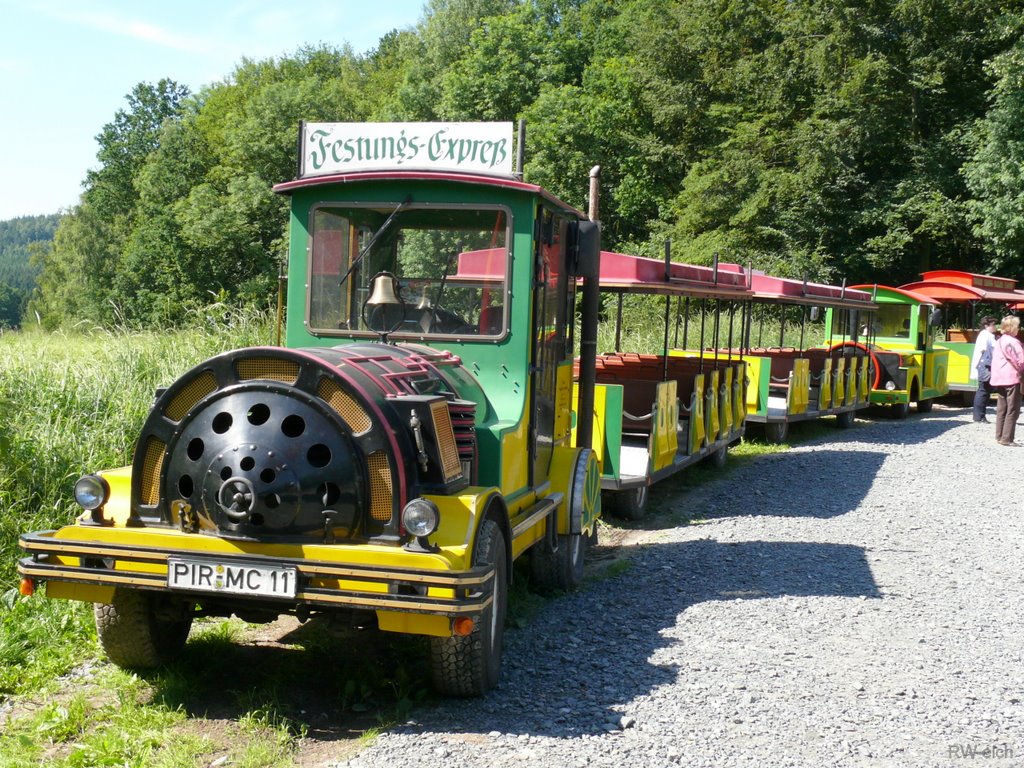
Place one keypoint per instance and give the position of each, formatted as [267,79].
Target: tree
[995,172]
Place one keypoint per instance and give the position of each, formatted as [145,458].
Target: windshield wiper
[373,238]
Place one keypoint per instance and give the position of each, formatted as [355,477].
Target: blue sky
[67,65]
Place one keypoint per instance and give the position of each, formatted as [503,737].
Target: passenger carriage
[787,384]
[656,414]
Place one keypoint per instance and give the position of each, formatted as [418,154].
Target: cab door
[552,343]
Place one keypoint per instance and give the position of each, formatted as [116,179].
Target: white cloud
[139,30]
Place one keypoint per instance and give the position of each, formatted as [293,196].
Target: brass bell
[385,290]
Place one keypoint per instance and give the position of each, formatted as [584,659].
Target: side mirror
[815,313]
[935,318]
[588,249]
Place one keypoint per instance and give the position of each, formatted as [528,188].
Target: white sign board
[329,148]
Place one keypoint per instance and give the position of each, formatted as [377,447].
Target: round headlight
[420,517]
[91,492]
[890,385]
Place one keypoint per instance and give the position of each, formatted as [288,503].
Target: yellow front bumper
[360,576]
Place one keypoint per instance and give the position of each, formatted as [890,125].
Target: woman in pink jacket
[1007,369]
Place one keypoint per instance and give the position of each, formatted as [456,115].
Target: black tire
[924,406]
[845,419]
[776,431]
[900,410]
[142,630]
[470,665]
[558,569]
[631,503]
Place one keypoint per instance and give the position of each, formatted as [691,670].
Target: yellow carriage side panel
[839,381]
[725,404]
[712,406]
[756,398]
[825,393]
[739,397]
[664,441]
[698,430]
[799,386]
[600,418]
[851,382]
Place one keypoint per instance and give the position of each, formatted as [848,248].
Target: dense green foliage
[20,240]
[867,140]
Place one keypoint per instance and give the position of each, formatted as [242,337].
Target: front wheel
[924,406]
[470,665]
[141,630]
[900,410]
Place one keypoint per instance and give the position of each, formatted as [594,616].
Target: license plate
[234,578]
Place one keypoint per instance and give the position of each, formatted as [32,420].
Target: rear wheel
[470,665]
[558,566]
[141,630]
[845,419]
[719,458]
[776,431]
[631,503]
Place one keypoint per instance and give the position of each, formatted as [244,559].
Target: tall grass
[71,403]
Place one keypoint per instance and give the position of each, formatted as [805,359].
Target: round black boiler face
[258,462]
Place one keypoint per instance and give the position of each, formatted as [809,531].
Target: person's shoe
[1010,445]
[981,421]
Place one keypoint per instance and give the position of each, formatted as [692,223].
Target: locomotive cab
[406,445]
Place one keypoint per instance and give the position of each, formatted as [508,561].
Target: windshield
[431,271]
[893,320]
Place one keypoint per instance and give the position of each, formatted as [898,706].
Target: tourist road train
[439,408]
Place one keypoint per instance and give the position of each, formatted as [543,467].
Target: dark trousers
[981,397]
[1007,411]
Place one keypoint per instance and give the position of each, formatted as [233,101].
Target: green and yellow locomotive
[410,440]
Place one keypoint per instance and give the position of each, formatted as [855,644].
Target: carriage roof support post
[668,309]
[618,323]
[732,319]
[703,319]
[588,266]
[686,322]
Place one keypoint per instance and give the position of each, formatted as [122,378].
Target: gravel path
[855,601]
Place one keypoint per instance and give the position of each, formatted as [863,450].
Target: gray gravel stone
[855,601]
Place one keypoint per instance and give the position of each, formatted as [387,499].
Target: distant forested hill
[19,239]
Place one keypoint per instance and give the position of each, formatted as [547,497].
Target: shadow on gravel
[831,483]
[588,654]
[924,426]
